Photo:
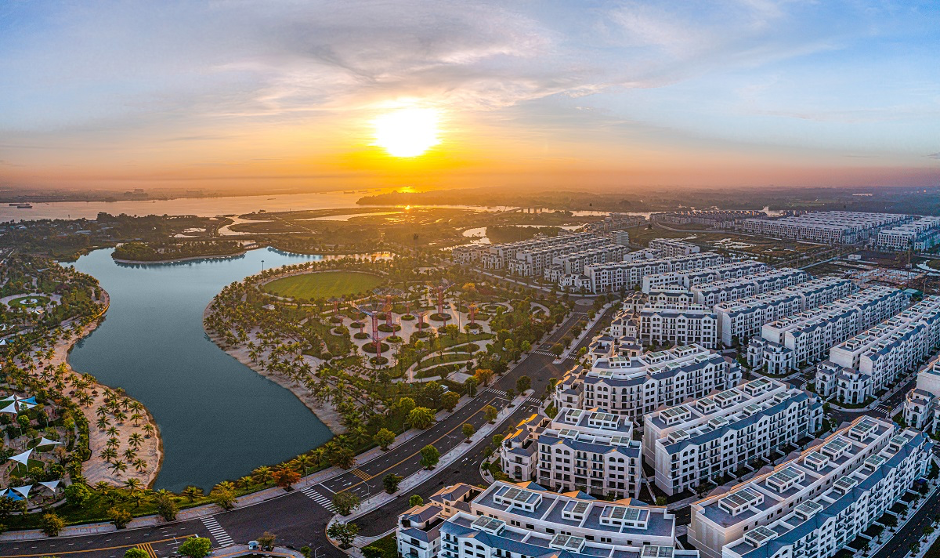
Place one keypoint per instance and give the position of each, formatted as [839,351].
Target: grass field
[323,285]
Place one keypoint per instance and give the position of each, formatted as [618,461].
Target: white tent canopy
[22,457]
[11,408]
[51,485]
[24,490]
[47,442]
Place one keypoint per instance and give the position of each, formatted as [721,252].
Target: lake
[218,418]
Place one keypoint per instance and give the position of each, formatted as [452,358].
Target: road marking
[217,531]
[88,550]
[361,474]
[319,498]
[146,547]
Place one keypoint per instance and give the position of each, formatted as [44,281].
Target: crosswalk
[494,391]
[535,400]
[319,498]
[217,532]
[544,353]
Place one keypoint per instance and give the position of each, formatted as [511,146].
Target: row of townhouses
[919,235]
[617,276]
[705,439]
[829,227]
[922,407]
[710,294]
[574,263]
[741,320]
[681,324]
[817,502]
[875,359]
[672,248]
[637,385]
[807,337]
[688,278]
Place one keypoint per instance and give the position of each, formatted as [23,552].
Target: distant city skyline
[246,96]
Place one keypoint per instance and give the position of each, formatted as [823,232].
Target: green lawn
[26,301]
[323,285]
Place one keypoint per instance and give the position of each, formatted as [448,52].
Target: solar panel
[489,524]
[845,484]
[835,447]
[816,460]
[807,509]
[567,542]
[760,535]
[654,551]
[874,462]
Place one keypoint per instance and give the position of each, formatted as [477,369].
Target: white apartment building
[672,248]
[533,261]
[922,406]
[710,294]
[919,235]
[635,386]
[742,319]
[617,276]
[828,227]
[588,450]
[688,278]
[498,256]
[704,439]
[808,336]
[417,530]
[526,520]
[678,324]
[575,262]
[813,505]
[873,360]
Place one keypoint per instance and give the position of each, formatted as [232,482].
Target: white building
[635,386]
[574,263]
[918,236]
[813,505]
[588,450]
[688,278]
[526,520]
[672,248]
[710,294]
[828,227]
[742,319]
[417,531]
[678,324]
[617,276]
[805,338]
[707,438]
[875,359]
[923,403]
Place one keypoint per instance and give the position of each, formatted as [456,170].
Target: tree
[166,506]
[391,482]
[223,495]
[405,405]
[192,492]
[490,413]
[195,547]
[449,400]
[470,386]
[483,376]
[135,552]
[523,383]
[384,438]
[120,517]
[429,456]
[345,502]
[77,494]
[266,541]
[285,477]
[661,501]
[421,417]
[372,551]
[52,524]
[415,500]
[343,533]
[557,349]
[468,430]
[339,455]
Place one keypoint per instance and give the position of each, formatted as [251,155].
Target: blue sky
[111,94]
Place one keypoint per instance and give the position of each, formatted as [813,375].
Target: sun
[407,132]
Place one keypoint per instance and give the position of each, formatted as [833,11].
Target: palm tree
[135,440]
[136,418]
[109,453]
[129,455]
[132,484]
[112,432]
[149,430]
[119,466]
[140,464]
[103,423]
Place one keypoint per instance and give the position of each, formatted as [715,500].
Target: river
[218,418]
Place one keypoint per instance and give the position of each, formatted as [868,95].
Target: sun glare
[407,132]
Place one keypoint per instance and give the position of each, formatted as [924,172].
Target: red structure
[472,310]
[336,307]
[440,300]
[388,310]
[375,334]
[421,321]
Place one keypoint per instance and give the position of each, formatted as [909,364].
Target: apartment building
[617,276]
[918,235]
[813,505]
[808,336]
[827,227]
[615,222]
[579,449]
[635,386]
[922,408]
[533,261]
[704,439]
[516,520]
[682,324]
[742,319]
[417,531]
[709,218]
[575,262]
[499,256]
[875,359]
[672,248]
[710,294]
[689,278]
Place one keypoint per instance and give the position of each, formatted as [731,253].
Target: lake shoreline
[175,260]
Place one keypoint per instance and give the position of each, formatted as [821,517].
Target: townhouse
[672,248]
[874,360]
[579,449]
[681,324]
[635,386]
[828,227]
[707,438]
[575,262]
[617,276]
[816,503]
[417,531]
[689,278]
[922,407]
[919,235]
[710,294]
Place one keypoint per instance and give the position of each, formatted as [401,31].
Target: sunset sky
[288,95]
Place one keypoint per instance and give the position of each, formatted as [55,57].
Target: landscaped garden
[326,284]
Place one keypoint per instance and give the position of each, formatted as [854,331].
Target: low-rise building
[678,324]
[417,531]
[618,276]
[921,409]
[707,438]
[634,386]
[691,277]
[828,227]
[672,248]
[816,503]
[526,520]
[918,236]
[710,294]
[588,450]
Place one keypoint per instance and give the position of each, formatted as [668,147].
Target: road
[298,518]
[897,547]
